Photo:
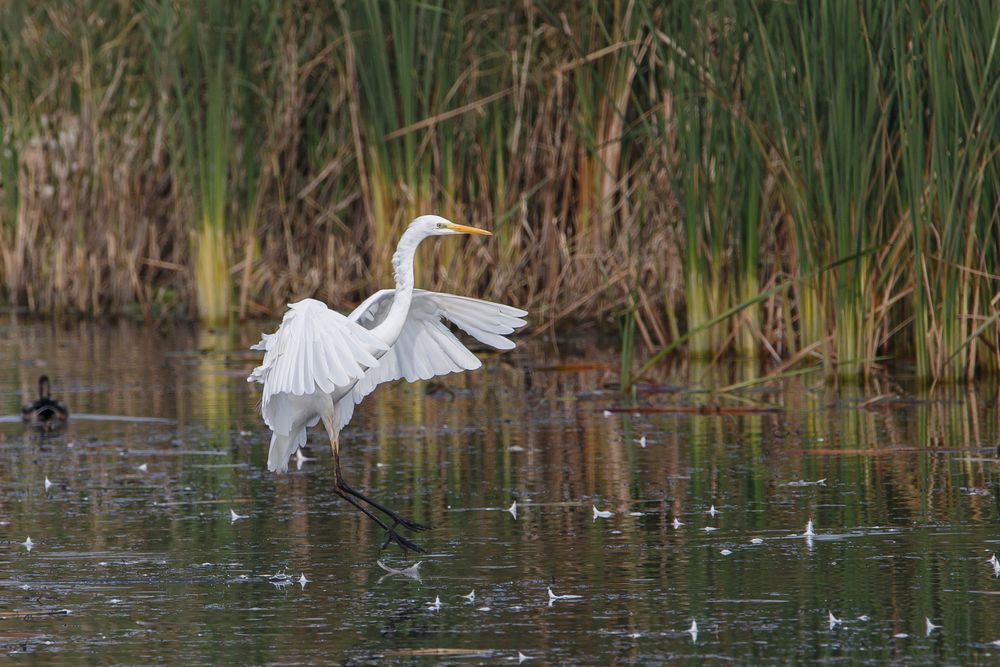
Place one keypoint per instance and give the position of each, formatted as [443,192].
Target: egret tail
[282,448]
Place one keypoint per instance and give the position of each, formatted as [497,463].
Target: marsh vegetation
[815,184]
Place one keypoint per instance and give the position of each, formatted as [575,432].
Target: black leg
[412,525]
[391,536]
[345,492]
[343,487]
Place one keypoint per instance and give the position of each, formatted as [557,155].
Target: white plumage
[314,349]
[312,360]
[319,364]
[426,347]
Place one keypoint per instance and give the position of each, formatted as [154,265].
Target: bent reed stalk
[811,181]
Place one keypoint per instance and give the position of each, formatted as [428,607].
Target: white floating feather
[602,514]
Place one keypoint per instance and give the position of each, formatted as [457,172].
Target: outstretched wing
[314,350]
[426,347]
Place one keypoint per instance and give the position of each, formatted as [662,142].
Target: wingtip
[261,345]
[258,374]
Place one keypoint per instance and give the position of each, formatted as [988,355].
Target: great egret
[319,364]
[46,411]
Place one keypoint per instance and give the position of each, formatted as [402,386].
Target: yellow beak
[462,229]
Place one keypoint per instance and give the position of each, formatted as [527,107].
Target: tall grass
[407,67]
[949,186]
[205,73]
[808,182]
[824,78]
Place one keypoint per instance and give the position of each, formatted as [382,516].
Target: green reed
[403,78]
[204,87]
[813,182]
[948,62]
[963,87]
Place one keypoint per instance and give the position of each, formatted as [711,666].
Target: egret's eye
[440,225]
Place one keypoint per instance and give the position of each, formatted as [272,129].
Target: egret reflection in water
[411,572]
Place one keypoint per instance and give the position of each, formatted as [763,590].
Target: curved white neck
[402,265]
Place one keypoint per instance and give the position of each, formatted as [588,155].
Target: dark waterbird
[45,411]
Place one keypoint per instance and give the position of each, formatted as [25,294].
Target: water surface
[135,557]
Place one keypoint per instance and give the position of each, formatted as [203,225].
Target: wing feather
[460,355]
[485,321]
[426,347]
[314,350]
[319,351]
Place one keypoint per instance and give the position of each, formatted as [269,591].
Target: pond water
[135,556]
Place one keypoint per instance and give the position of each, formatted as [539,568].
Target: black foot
[392,537]
[402,521]
[406,523]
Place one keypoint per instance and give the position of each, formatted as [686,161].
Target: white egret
[319,364]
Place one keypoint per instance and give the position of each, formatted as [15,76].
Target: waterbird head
[435,225]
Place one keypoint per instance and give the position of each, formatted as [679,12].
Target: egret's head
[435,225]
